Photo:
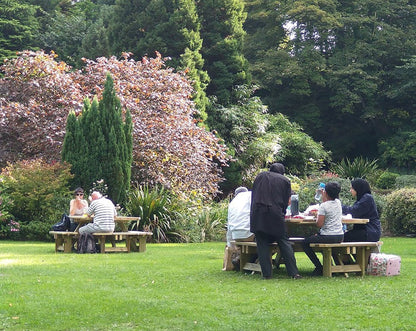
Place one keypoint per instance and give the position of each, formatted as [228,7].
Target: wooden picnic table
[135,241]
[122,221]
[360,249]
[311,220]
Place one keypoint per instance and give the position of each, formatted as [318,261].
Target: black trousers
[317,238]
[355,235]
[263,251]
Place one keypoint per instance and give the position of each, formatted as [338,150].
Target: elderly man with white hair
[103,211]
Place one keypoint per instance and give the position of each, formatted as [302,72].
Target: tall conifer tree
[171,28]
[222,33]
[99,144]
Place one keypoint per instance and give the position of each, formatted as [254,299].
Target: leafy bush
[404,156]
[151,205]
[406,181]
[400,211]
[307,189]
[357,168]
[199,223]
[35,230]
[300,154]
[38,191]
[7,225]
[387,180]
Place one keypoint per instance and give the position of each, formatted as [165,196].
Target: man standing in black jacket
[270,198]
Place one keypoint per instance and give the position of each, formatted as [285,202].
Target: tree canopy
[168,146]
[18,27]
[333,67]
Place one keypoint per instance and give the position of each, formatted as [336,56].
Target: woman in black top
[364,207]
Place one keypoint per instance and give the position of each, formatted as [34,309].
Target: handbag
[63,225]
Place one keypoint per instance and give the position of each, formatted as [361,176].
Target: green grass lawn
[182,287]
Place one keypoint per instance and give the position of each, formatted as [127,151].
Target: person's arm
[360,209]
[72,207]
[320,221]
[90,210]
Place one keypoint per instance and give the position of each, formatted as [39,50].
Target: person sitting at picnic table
[363,207]
[329,220]
[238,226]
[104,212]
[78,206]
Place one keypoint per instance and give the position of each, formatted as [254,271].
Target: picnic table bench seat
[356,252]
[135,240]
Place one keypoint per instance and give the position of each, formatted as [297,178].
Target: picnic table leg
[244,257]
[101,241]
[59,241]
[142,243]
[131,244]
[68,244]
[360,258]
[327,260]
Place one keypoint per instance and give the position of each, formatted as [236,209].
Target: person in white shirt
[238,225]
[329,221]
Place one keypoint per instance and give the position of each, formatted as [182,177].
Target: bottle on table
[318,195]
[294,204]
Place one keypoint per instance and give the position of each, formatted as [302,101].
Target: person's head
[359,187]
[79,193]
[240,189]
[278,167]
[332,190]
[95,195]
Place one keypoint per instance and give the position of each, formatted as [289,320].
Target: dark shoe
[236,264]
[317,272]
[267,278]
[297,276]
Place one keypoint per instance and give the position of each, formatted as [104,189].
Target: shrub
[406,181]
[399,150]
[307,189]
[387,180]
[36,231]
[400,211]
[38,191]
[151,205]
[357,168]
[6,219]
[199,223]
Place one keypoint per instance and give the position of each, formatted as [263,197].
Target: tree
[78,30]
[17,27]
[171,28]
[256,138]
[99,144]
[335,68]
[222,33]
[168,146]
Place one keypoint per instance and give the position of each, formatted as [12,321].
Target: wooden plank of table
[303,221]
[120,220]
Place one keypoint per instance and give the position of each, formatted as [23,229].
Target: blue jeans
[317,238]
